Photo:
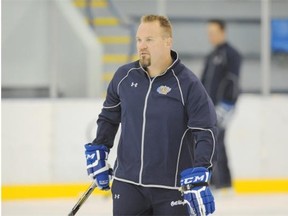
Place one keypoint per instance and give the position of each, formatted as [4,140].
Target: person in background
[221,81]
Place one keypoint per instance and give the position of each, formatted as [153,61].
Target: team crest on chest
[164,90]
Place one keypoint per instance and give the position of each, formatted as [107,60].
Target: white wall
[42,140]
[24,43]
[47,44]
[75,52]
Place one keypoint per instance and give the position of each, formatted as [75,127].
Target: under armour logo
[134,84]
[117,196]
[90,156]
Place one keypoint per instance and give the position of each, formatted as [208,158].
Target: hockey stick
[82,199]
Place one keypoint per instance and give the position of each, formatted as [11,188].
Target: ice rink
[227,205]
[59,57]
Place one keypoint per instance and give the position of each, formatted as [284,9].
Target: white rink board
[257,137]
[43,139]
[46,138]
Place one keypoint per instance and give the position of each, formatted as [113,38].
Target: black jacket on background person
[221,74]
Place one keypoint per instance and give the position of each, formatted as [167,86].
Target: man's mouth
[144,53]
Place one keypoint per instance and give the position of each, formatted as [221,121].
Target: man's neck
[220,43]
[161,68]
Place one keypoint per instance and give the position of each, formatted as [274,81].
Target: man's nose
[142,45]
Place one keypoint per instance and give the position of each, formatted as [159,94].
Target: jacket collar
[175,62]
[220,46]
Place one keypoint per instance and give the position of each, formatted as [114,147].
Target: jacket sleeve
[202,122]
[232,89]
[110,116]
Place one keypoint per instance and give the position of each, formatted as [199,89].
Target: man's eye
[149,39]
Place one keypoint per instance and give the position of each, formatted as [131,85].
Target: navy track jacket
[167,124]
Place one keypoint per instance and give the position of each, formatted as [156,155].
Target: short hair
[163,21]
[219,22]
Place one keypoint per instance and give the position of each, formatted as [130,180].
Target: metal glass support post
[265,47]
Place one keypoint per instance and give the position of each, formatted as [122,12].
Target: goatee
[145,62]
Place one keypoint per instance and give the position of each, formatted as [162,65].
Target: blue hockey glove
[197,195]
[224,113]
[97,166]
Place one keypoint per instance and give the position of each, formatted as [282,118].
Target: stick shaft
[82,199]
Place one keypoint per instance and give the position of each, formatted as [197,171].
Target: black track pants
[129,199]
[221,177]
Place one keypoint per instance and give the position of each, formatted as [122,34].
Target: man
[221,80]
[167,132]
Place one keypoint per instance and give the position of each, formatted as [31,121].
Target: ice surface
[227,205]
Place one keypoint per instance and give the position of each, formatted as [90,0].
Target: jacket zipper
[143,129]
[144,117]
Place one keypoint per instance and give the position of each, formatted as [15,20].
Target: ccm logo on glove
[90,156]
[194,179]
[196,193]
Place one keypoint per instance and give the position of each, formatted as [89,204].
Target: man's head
[154,40]
[216,32]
